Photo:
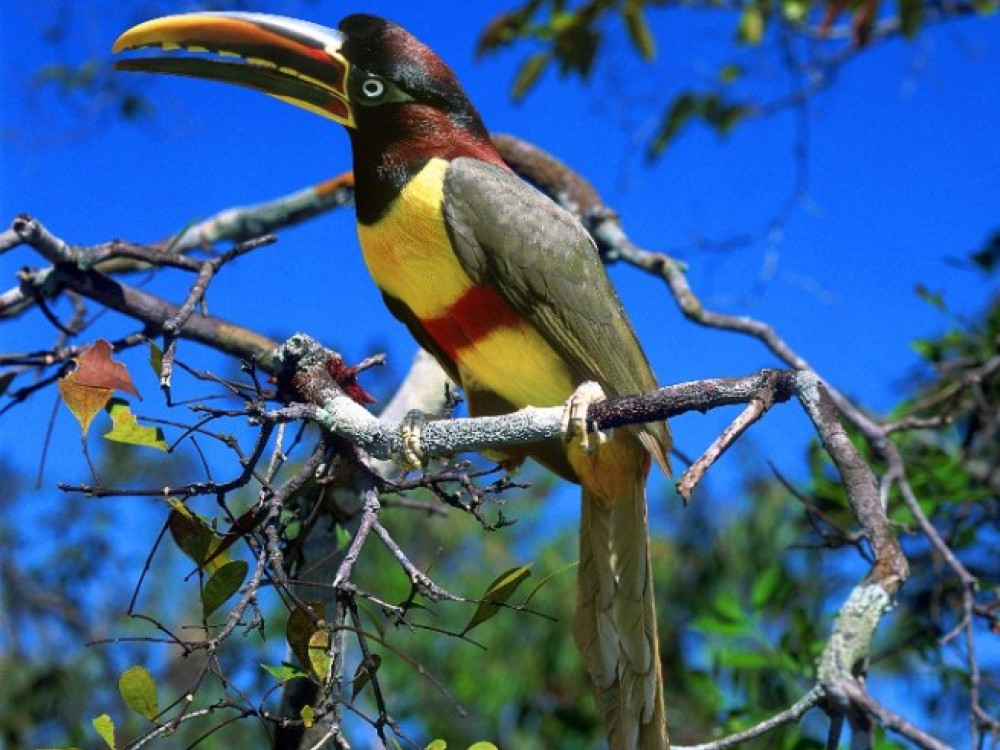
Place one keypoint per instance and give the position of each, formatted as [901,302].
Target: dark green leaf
[683,108]
[308,640]
[195,537]
[364,673]
[222,584]
[934,299]
[988,258]
[730,73]
[911,17]
[529,73]
[497,594]
[638,30]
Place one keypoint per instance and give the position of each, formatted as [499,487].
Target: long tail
[615,623]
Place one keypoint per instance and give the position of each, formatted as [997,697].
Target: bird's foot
[574,420]
[410,427]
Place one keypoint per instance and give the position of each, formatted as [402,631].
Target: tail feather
[615,623]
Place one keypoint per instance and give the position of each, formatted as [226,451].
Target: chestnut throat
[394,143]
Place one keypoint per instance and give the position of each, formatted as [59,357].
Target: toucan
[499,283]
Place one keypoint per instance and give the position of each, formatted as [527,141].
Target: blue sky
[903,167]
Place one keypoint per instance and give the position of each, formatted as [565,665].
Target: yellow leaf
[138,690]
[83,400]
[752,25]
[309,642]
[106,728]
[308,714]
[126,429]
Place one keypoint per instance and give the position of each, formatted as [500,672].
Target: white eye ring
[373,88]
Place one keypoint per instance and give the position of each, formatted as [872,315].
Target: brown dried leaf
[96,369]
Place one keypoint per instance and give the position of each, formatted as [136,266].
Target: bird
[501,285]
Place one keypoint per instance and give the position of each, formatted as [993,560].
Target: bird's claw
[574,419]
[410,427]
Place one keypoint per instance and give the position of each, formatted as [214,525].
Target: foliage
[803,36]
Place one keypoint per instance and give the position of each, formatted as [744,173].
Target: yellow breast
[410,257]
[408,252]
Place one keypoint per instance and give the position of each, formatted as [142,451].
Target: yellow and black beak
[296,61]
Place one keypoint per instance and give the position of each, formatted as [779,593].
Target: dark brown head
[409,107]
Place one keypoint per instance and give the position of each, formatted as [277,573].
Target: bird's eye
[373,89]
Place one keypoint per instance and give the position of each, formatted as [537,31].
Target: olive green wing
[545,264]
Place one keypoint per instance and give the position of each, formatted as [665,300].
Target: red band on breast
[471,318]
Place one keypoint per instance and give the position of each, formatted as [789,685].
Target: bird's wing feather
[545,264]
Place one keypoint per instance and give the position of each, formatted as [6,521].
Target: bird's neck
[387,154]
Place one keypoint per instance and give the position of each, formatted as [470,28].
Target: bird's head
[370,74]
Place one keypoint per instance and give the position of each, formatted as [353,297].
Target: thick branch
[346,418]
[152,311]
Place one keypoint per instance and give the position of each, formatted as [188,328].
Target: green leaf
[682,109]
[765,587]
[986,259]
[285,673]
[364,673]
[308,640]
[529,73]
[720,114]
[195,537]
[222,584]
[727,606]
[934,299]
[927,349]
[437,745]
[638,30]
[795,11]
[715,626]
[106,728]
[5,380]
[911,17]
[138,690]
[483,745]
[343,537]
[752,25]
[373,617]
[497,594]
[730,73]
[308,715]
[126,428]
[155,358]
[735,659]
[548,578]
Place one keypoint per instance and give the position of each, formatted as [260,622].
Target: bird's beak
[296,61]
